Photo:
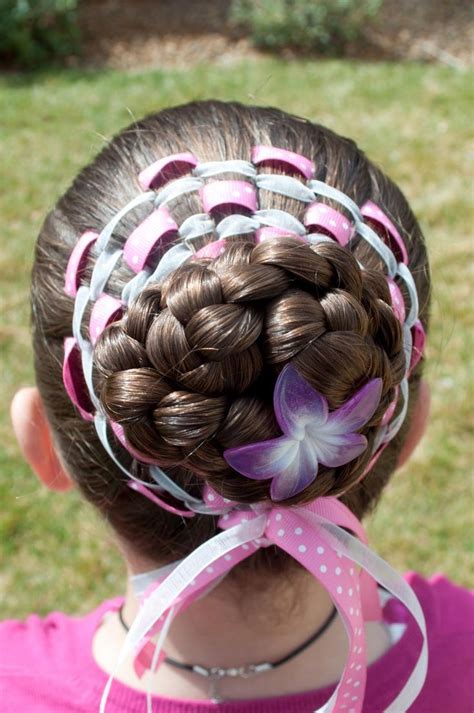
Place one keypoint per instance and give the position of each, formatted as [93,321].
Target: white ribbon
[208,169]
[285,185]
[407,277]
[171,260]
[316,238]
[141,582]
[159,645]
[407,346]
[276,218]
[236,225]
[196,226]
[87,361]
[133,288]
[389,578]
[160,600]
[182,576]
[323,189]
[176,189]
[162,481]
[80,304]
[371,237]
[103,268]
[106,233]
[395,425]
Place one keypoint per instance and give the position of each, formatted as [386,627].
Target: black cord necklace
[215,674]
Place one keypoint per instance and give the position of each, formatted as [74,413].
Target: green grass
[414,120]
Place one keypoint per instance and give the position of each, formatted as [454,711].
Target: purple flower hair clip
[312,435]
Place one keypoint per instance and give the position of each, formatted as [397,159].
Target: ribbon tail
[333,510]
[156,656]
[318,552]
[390,579]
[141,582]
[199,562]
[371,608]
[144,657]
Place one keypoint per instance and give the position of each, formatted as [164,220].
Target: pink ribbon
[316,535]
[293,530]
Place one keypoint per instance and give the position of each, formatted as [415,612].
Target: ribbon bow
[316,536]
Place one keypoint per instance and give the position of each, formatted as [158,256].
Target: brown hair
[190,368]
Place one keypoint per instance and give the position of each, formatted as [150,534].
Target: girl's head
[188,369]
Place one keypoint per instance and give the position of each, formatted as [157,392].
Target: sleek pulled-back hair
[189,369]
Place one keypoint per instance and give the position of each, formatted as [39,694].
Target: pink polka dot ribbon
[154,498]
[77,261]
[73,379]
[165,169]
[419,340]
[148,238]
[382,223]
[212,250]
[317,536]
[273,156]
[386,418]
[219,194]
[119,432]
[398,303]
[269,232]
[329,221]
[106,310]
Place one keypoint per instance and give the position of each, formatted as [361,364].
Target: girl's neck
[226,630]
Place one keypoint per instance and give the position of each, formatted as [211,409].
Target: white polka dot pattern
[300,540]
[326,520]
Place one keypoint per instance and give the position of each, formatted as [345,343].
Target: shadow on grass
[20,79]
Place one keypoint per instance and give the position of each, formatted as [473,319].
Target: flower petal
[296,403]
[356,412]
[262,460]
[334,450]
[300,473]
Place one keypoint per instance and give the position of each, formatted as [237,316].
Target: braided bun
[190,369]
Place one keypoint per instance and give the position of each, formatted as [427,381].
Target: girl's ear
[419,421]
[35,440]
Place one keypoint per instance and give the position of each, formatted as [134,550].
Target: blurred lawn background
[413,119]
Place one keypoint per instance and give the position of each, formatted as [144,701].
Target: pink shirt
[46,665]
